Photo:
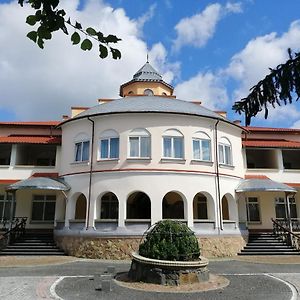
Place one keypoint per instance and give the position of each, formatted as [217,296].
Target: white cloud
[296,125]
[284,114]
[43,84]
[253,62]
[234,7]
[199,28]
[205,87]
[146,17]
[158,59]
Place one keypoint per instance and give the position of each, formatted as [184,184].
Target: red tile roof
[272,129]
[295,185]
[8,181]
[50,175]
[31,123]
[256,177]
[259,143]
[30,140]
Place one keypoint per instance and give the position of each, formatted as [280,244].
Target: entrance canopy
[263,185]
[39,183]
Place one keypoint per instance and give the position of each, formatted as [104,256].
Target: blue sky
[212,51]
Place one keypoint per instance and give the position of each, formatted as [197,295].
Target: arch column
[60,207]
[188,211]
[122,210]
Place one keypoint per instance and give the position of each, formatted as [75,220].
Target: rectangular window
[104,148]
[134,146]
[202,208]
[43,208]
[201,149]
[109,148]
[253,212]
[82,151]
[225,157]
[280,208]
[5,202]
[145,147]
[139,146]
[114,148]
[173,147]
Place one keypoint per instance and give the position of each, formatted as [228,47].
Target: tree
[282,85]
[50,19]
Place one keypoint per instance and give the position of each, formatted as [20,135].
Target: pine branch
[277,88]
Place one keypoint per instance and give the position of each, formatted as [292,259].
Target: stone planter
[167,272]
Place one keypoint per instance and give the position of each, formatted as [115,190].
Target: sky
[210,51]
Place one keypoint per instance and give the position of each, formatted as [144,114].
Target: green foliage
[170,240]
[49,19]
[278,87]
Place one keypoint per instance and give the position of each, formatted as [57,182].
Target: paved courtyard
[70,278]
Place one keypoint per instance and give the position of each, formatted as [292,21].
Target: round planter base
[166,272]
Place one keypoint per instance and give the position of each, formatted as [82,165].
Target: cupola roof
[146,74]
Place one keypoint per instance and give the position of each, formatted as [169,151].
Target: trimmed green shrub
[170,240]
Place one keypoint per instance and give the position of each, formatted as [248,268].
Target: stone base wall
[121,248]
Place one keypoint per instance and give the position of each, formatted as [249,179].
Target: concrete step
[31,250]
[269,253]
[268,247]
[32,247]
[32,244]
[37,253]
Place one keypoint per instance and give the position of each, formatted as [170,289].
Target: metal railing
[12,231]
[286,235]
[295,223]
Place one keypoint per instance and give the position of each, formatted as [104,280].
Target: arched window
[139,143]
[173,144]
[109,145]
[138,206]
[225,152]
[80,209]
[200,207]
[201,146]
[109,206]
[225,208]
[173,206]
[148,92]
[82,147]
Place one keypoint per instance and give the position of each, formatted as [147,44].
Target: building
[125,164]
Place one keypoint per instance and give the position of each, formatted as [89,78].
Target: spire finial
[147,57]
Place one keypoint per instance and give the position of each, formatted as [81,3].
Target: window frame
[257,202]
[6,199]
[201,151]
[44,201]
[109,157]
[143,134]
[225,144]
[176,135]
[81,143]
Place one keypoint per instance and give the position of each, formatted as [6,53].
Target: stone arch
[203,206]
[138,206]
[174,206]
[80,207]
[108,206]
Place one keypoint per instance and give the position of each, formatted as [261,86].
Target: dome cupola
[148,82]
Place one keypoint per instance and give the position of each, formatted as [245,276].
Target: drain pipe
[219,215]
[90,174]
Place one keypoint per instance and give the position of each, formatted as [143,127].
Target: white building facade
[128,163]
